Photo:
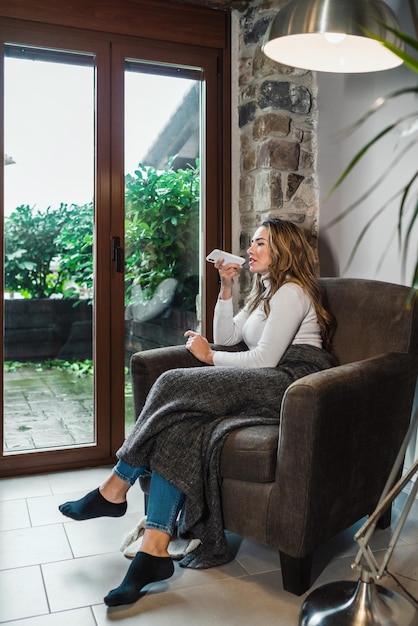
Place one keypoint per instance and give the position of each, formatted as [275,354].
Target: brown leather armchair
[295,486]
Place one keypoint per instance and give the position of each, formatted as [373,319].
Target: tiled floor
[55,572]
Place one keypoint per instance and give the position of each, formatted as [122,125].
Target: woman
[179,434]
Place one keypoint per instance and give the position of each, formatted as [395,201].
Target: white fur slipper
[177,548]
[134,536]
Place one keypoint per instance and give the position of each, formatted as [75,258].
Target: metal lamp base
[361,603]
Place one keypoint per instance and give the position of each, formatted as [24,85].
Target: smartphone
[226,256]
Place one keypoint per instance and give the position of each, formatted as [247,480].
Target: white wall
[342,99]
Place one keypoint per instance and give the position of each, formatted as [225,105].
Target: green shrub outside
[32,243]
[50,253]
[162,231]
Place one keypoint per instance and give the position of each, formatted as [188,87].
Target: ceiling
[226,5]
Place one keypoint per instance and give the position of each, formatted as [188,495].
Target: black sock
[92,505]
[144,569]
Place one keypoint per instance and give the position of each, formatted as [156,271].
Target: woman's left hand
[199,347]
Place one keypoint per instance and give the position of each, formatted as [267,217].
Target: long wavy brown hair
[293,261]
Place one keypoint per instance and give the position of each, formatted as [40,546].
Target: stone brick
[285,95]
[248,221]
[271,124]
[293,182]
[246,141]
[238,5]
[309,141]
[245,283]
[262,65]
[249,92]
[249,161]
[245,64]
[264,155]
[295,134]
[247,184]
[276,189]
[246,113]
[246,205]
[265,5]
[308,192]
[262,191]
[292,216]
[268,190]
[244,79]
[285,156]
[299,205]
[245,240]
[307,160]
[254,29]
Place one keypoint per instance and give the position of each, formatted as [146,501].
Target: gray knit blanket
[187,416]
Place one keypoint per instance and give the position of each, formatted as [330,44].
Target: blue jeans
[165,500]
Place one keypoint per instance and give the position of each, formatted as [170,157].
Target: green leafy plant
[30,248]
[80,369]
[406,222]
[162,230]
[75,244]
[50,253]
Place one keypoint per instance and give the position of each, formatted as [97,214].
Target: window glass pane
[163,210]
[49,233]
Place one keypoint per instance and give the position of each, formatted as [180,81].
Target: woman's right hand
[227,273]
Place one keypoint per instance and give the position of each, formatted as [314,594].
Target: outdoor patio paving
[51,408]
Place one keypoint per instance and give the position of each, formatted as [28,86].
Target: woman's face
[259,252]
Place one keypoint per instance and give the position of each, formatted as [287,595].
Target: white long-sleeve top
[292,320]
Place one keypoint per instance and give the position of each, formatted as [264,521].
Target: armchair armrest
[340,432]
[148,365]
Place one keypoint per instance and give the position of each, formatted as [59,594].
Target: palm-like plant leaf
[409,60]
[409,232]
[372,187]
[379,103]
[360,154]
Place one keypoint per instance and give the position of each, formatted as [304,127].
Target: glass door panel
[80,171]
[163,209]
[49,122]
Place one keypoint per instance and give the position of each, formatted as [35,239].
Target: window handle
[117,254]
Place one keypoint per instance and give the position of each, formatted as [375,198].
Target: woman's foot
[92,505]
[144,569]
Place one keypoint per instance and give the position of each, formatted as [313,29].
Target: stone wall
[277,114]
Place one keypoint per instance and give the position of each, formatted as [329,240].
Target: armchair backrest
[372,318]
